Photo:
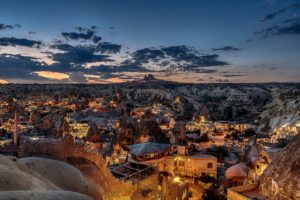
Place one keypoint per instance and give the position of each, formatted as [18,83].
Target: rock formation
[281,179]
[41,178]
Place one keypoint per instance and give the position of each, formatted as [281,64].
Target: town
[154,139]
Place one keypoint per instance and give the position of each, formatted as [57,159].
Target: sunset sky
[106,41]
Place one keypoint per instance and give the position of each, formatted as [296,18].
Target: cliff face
[283,110]
[281,179]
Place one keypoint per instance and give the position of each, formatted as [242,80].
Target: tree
[212,193]
[203,138]
[219,151]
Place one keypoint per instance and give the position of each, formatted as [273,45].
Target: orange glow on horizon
[53,75]
[115,80]
[3,81]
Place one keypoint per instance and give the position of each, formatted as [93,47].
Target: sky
[109,41]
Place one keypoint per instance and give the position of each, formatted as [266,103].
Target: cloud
[52,75]
[107,47]
[233,75]
[83,34]
[5,26]
[76,36]
[286,27]
[119,68]
[289,26]
[17,26]
[77,77]
[95,60]
[77,55]
[227,48]
[272,15]
[222,81]
[8,26]
[207,71]
[174,58]
[12,41]
[18,66]
[3,81]
[147,54]
[293,6]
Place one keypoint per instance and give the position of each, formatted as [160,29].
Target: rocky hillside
[281,179]
[282,111]
[40,178]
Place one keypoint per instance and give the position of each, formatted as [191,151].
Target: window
[209,165]
[181,163]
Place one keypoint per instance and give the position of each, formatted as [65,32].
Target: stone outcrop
[67,150]
[283,110]
[281,179]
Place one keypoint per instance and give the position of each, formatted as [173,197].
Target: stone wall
[65,148]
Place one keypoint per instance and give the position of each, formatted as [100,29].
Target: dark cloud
[181,52]
[227,48]
[222,80]
[8,26]
[76,36]
[18,66]
[207,71]
[71,58]
[96,39]
[191,57]
[12,41]
[77,55]
[5,26]
[233,75]
[119,68]
[31,32]
[293,6]
[175,58]
[286,27]
[107,47]
[78,77]
[83,34]
[17,26]
[272,15]
[147,54]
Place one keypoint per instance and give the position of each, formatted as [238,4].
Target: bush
[219,151]
[212,193]
[249,132]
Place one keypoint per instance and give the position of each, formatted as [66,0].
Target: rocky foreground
[41,178]
[281,179]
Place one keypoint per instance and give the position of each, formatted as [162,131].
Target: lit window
[181,163]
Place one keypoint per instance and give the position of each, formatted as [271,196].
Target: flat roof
[147,148]
[202,155]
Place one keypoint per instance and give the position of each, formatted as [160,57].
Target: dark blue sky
[225,29]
